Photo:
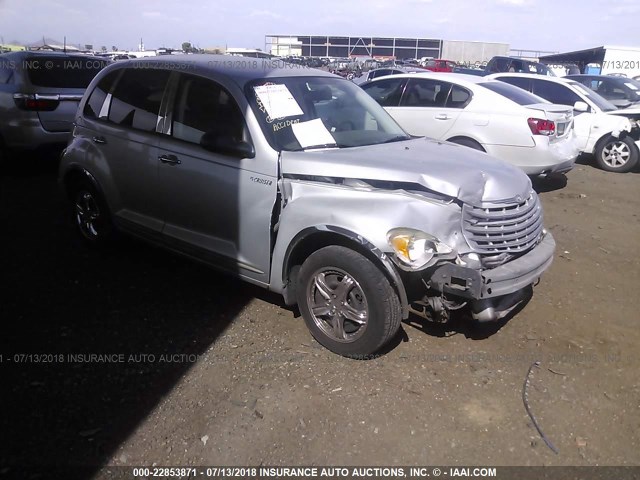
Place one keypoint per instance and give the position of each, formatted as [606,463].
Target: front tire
[90,214]
[347,302]
[617,154]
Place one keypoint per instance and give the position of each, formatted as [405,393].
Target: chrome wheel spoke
[337,322]
[358,316]
[343,288]
[321,310]
[325,290]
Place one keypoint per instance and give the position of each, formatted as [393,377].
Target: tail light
[540,126]
[36,102]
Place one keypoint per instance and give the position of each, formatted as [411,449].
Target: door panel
[215,206]
[428,107]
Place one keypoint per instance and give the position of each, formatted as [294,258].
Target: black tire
[90,214]
[467,142]
[617,154]
[356,286]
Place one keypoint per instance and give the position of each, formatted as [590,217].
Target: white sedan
[499,119]
[612,135]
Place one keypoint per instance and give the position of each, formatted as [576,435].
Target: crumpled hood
[460,172]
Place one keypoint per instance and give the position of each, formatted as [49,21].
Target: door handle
[99,140]
[442,116]
[171,159]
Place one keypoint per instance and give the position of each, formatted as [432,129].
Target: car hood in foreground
[452,170]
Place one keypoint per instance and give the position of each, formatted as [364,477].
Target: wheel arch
[314,238]
[468,138]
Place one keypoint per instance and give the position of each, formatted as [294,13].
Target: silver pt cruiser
[296,180]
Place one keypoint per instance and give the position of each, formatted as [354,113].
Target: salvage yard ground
[216,372]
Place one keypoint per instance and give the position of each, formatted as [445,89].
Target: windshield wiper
[312,147]
[398,138]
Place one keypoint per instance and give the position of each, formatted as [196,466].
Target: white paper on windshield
[278,101]
[312,133]
[631,86]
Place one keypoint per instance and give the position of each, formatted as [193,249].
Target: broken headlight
[415,249]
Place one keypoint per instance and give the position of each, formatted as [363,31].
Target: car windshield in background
[515,94]
[63,72]
[298,113]
[601,102]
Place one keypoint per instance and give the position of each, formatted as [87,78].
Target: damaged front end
[509,252]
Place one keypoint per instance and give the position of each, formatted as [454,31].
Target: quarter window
[202,106]
[137,98]
[95,106]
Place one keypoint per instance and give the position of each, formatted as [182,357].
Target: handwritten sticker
[278,101]
[312,133]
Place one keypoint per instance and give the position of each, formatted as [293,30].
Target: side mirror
[226,145]
[581,107]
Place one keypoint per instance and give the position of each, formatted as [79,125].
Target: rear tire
[91,214]
[347,302]
[617,154]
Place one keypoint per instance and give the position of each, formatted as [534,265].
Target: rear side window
[520,82]
[62,72]
[515,94]
[386,92]
[95,106]
[202,106]
[555,93]
[426,93]
[137,97]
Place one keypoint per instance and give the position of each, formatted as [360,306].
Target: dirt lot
[223,374]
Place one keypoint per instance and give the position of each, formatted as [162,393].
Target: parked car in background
[383,72]
[621,91]
[440,65]
[297,181]
[501,120]
[517,65]
[612,135]
[39,96]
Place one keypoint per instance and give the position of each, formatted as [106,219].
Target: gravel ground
[206,370]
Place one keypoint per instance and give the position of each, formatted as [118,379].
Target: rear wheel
[347,303]
[90,214]
[617,154]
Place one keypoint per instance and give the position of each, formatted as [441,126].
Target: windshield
[298,113]
[600,102]
[515,94]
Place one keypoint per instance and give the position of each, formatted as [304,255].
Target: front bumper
[506,279]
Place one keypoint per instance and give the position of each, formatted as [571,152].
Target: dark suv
[39,95]
[517,65]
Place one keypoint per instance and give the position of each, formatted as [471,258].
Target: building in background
[398,48]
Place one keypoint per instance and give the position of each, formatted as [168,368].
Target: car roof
[460,78]
[532,75]
[242,70]
[598,77]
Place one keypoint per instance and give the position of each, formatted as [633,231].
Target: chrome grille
[495,229]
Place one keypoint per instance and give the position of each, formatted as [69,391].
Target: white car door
[429,107]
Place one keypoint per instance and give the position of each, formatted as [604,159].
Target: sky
[560,25]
